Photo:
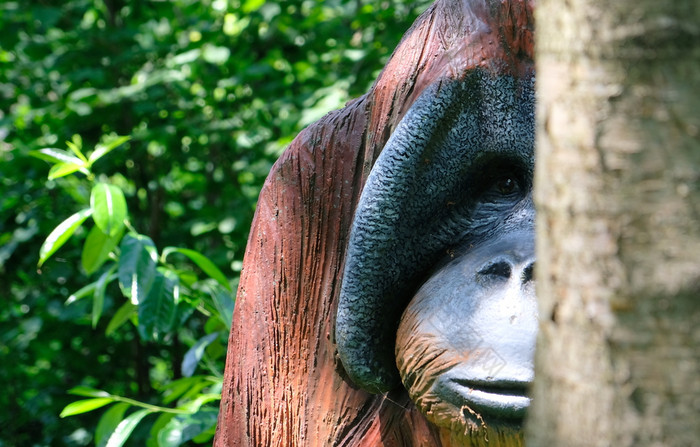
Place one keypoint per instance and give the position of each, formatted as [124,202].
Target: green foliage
[177,425]
[157,301]
[210,92]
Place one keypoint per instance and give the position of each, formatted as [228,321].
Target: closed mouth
[498,399]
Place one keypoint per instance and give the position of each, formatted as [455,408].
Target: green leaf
[54,155]
[99,296]
[187,277]
[195,353]
[158,310]
[76,140]
[202,262]
[82,293]
[104,148]
[194,405]
[108,208]
[137,266]
[97,248]
[194,392]
[121,316]
[61,234]
[75,146]
[85,405]
[184,427]
[224,303]
[109,422]
[63,169]
[160,422]
[125,428]
[177,388]
[252,5]
[88,392]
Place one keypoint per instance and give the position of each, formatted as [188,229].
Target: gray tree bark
[618,196]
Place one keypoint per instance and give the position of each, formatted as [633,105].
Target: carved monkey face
[465,343]
[448,205]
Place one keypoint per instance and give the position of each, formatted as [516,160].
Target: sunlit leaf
[160,422]
[82,293]
[195,353]
[77,140]
[76,147]
[87,392]
[109,422]
[121,316]
[54,155]
[104,148]
[252,5]
[125,428]
[62,169]
[108,208]
[97,248]
[194,391]
[61,234]
[202,262]
[137,266]
[195,404]
[85,405]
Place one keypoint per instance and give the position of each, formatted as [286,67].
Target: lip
[500,399]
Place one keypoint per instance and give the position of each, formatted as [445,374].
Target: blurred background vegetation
[210,92]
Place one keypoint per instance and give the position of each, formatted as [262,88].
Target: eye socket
[501,178]
[505,185]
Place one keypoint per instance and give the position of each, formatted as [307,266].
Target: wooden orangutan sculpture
[387,295]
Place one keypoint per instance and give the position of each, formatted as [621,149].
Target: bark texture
[618,197]
[283,385]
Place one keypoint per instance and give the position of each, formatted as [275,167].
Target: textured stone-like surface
[418,203]
[283,385]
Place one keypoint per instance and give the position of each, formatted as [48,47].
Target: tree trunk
[618,196]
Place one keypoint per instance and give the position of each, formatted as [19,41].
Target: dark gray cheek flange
[416,204]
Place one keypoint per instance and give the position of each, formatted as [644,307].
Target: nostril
[500,268]
[528,273]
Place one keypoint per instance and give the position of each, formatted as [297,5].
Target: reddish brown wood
[283,385]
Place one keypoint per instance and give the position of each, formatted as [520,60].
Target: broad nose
[507,269]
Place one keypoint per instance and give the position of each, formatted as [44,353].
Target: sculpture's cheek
[425,369]
[465,342]
[422,359]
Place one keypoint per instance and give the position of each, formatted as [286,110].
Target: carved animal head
[418,195]
[448,205]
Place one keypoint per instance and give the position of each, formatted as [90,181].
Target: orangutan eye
[506,185]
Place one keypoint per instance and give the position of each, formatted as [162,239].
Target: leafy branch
[158,298]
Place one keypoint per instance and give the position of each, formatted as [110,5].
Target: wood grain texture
[283,385]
